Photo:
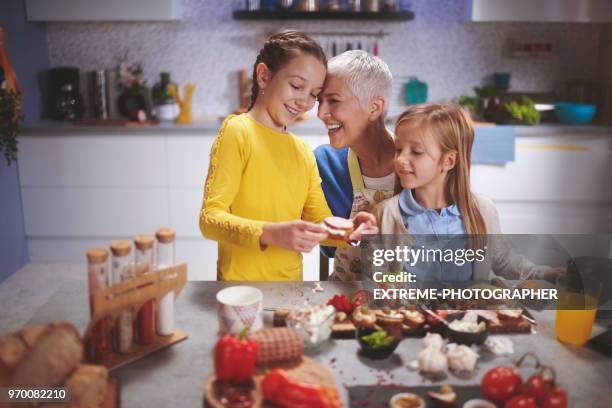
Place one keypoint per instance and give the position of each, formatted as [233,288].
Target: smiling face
[342,113]
[292,90]
[419,160]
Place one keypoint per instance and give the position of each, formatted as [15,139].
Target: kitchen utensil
[430,312]
[99,94]
[378,353]
[354,5]
[307,5]
[65,102]
[467,338]
[415,91]
[239,306]
[372,5]
[253,4]
[574,113]
[502,80]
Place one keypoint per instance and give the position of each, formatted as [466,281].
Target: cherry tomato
[521,401]
[556,398]
[536,386]
[499,384]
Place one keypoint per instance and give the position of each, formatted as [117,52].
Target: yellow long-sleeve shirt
[258,175]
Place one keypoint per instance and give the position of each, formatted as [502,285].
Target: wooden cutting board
[306,370]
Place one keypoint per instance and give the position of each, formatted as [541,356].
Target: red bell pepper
[235,357]
[280,389]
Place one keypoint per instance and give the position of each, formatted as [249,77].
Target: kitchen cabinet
[579,11]
[83,186]
[108,10]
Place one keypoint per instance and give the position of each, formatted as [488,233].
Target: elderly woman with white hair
[356,168]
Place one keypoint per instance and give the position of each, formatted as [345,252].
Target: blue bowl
[574,113]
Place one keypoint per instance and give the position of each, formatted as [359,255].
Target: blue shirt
[336,183]
[442,230]
[419,220]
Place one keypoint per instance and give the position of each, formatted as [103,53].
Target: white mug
[239,306]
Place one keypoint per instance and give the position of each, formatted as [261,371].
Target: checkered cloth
[277,345]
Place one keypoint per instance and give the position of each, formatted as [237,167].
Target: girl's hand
[299,236]
[365,224]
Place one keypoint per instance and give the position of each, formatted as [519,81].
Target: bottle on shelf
[165,107]
[165,258]
[122,267]
[144,264]
[97,279]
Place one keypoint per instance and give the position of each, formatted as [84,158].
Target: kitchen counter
[175,376]
[307,127]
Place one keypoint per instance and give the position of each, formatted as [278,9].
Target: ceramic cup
[239,306]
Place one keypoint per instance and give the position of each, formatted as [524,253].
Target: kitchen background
[440,46]
[205,45]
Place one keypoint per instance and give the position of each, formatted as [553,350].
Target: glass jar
[97,278]
[122,270]
[165,258]
[144,264]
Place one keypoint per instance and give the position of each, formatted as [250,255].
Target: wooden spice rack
[108,304]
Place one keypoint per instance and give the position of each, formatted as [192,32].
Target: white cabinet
[82,188]
[556,185]
[542,10]
[106,10]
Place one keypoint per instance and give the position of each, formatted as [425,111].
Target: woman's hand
[365,224]
[299,236]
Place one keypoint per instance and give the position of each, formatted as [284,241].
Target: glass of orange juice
[576,309]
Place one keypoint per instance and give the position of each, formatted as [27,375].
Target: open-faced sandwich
[338,228]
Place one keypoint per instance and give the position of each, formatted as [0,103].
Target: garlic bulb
[499,345]
[432,360]
[461,358]
[433,340]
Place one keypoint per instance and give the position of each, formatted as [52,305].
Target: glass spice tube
[144,264]
[121,271]
[97,278]
[165,258]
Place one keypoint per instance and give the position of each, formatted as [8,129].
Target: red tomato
[537,386]
[521,401]
[556,398]
[499,384]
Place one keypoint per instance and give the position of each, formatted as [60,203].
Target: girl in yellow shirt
[262,199]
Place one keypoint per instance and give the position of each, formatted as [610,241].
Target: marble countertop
[175,376]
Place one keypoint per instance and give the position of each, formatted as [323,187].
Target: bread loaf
[12,349]
[55,351]
[87,386]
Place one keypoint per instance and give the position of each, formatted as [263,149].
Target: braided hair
[279,49]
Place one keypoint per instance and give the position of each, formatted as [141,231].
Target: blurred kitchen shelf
[322,15]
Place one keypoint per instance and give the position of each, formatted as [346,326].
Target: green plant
[10,106]
[524,111]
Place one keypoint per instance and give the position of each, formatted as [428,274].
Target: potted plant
[132,89]
[10,105]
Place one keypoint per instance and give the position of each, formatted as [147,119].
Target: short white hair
[366,76]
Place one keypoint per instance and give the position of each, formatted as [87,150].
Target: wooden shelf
[322,15]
